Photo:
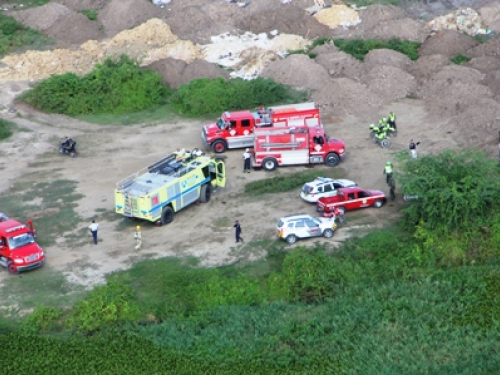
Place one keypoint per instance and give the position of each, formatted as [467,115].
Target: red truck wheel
[219,147]
[11,267]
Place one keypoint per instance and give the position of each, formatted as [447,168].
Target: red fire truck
[18,249]
[236,129]
[300,145]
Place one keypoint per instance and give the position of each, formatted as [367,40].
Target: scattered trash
[274,32]
[465,20]
[161,2]
[286,1]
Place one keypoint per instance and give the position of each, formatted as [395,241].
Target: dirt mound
[491,16]
[389,83]
[478,122]
[325,49]
[290,20]
[490,48]
[343,96]
[41,18]
[405,28]
[298,71]
[492,80]
[484,64]
[75,29]
[170,69]
[77,5]
[338,15]
[340,64]
[448,43]
[203,69]
[381,57]
[374,15]
[119,15]
[426,66]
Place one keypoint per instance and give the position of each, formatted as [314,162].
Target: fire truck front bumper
[204,139]
[31,266]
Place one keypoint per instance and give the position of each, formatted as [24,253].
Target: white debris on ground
[465,20]
[248,54]
[338,15]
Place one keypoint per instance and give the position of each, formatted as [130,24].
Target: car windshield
[316,220]
[20,241]
[280,223]
[307,189]
[221,123]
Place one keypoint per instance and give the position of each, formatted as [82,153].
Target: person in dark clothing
[238,231]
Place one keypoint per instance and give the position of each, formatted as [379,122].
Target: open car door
[220,170]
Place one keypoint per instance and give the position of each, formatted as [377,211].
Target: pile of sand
[492,80]
[484,64]
[343,96]
[448,43]
[381,57]
[75,29]
[375,15]
[77,5]
[338,15]
[43,17]
[297,71]
[403,29]
[490,48]
[339,64]
[389,83]
[491,16]
[426,66]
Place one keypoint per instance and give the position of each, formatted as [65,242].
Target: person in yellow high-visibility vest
[392,120]
[138,238]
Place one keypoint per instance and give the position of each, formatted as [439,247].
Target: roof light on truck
[10,230]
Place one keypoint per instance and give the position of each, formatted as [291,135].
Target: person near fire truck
[246,161]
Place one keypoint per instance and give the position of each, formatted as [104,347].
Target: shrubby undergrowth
[5,129]
[14,35]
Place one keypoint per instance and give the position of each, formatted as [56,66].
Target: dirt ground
[110,153]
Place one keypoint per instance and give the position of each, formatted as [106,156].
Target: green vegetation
[90,13]
[116,86]
[14,35]
[288,182]
[358,48]
[420,297]
[5,129]
[205,96]
[460,59]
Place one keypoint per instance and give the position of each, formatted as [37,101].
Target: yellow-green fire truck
[157,191]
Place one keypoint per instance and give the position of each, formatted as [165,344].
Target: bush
[13,35]
[358,48]
[91,14]
[115,86]
[42,318]
[460,59]
[5,129]
[206,97]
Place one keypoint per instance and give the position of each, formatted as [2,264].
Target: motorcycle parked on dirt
[68,147]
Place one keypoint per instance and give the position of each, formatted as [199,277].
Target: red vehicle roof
[10,224]
[239,115]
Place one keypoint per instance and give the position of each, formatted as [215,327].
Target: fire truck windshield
[20,241]
[221,123]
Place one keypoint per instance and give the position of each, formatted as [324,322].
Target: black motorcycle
[68,148]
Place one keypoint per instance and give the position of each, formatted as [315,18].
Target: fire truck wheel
[328,233]
[205,192]
[269,164]
[219,147]
[291,239]
[11,267]
[332,160]
[378,204]
[167,215]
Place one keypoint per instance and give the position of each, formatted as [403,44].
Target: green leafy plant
[42,318]
[5,129]
[14,35]
[206,96]
[91,14]
[115,86]
[460,59]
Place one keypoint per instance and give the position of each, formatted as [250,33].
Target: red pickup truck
[351,198]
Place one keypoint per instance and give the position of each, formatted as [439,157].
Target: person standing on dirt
[392,189]
[138,238]
[237,232]
[388,172]
[413,148]
[392,120]
[93,230]
[246,161]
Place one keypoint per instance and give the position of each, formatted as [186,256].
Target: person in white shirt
[93,229]
[246,164]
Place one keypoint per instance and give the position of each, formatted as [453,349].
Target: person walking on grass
[237,232]
[93,230]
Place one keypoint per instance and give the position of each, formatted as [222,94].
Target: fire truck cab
[236,129]
[301,145]
[18,249]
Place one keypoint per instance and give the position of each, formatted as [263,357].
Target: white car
[290,228]
[322,187]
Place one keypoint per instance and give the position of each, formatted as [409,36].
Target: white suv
[323,187]
[292,227]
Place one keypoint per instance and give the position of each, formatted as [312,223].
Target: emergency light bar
[15,228]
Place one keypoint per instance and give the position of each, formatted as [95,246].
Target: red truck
[236,129]
[18,249]
[274,147]
[350,199]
